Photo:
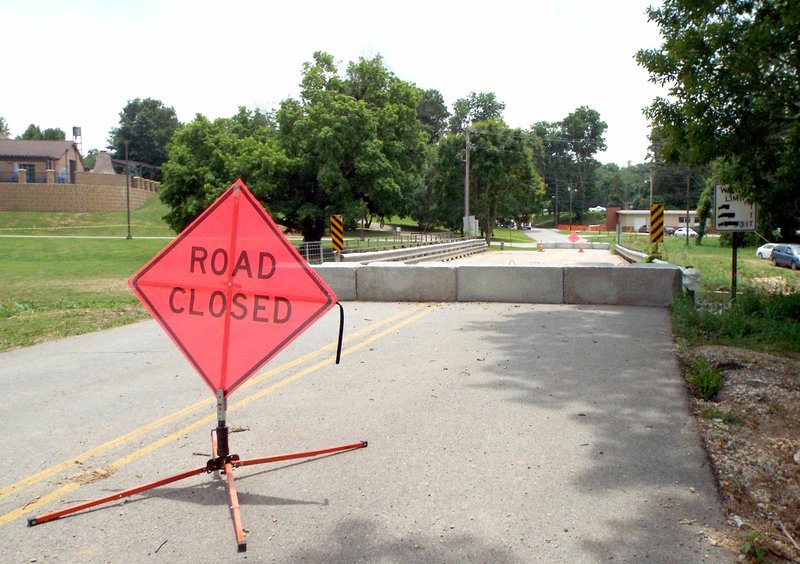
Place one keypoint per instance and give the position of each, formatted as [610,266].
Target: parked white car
[597,209]
[681,232]
[765,251]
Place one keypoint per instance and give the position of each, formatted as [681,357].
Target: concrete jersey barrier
[655,285]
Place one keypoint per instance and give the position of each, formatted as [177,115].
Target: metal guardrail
[439,251]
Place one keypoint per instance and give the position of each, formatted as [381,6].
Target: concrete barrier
[393,282]
[524,284]
[639,284]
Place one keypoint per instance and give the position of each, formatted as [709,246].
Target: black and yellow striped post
[337,233]
[657,223]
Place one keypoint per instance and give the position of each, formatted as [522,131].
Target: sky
[81,62]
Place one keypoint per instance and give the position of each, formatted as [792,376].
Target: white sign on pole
[731,211]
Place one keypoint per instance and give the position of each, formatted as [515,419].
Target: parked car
[525,226]
[597,209]
[681,232]
[786,255]
[668,231]
[765,251]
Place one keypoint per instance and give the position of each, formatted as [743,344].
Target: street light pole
[570,190]
[128,189]
[467,225]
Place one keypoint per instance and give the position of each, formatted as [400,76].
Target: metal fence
[316,252]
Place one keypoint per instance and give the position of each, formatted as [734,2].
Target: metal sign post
[733,214]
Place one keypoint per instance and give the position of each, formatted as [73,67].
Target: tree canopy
[481,106]
[504,181]
[354,143]
[147,125]
[33,132]
[205,157]
[732,67]
[567,160]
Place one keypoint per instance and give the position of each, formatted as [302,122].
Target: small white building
[633,220]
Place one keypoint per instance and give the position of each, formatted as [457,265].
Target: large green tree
[731,68]
[205,157]
[147,125]
[433,114]
[568,159]
[477,106]
[504,181]
[354,143]
[33,132]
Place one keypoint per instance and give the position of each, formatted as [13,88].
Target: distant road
[547,256]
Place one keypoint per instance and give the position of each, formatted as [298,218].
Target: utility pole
[128,188]
[652,176]
[556,214]
[467,226]
[688,187]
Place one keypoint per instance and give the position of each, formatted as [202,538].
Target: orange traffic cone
[580,249]
[541,248]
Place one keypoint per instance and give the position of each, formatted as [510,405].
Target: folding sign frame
[231,277]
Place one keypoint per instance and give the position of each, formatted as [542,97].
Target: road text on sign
[231,291]
[731,211]
[656,223]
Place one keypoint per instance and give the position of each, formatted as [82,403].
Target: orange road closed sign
[231,291]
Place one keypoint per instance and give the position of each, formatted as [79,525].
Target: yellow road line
[105,447]
[119,463]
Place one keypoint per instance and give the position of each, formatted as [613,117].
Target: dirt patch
[91,476]
[751,431]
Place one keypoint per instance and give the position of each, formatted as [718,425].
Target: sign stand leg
[222,462]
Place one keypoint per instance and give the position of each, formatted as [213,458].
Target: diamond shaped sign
[231,291]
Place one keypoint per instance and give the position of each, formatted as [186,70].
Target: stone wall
[70,197]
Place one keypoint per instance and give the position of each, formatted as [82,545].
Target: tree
[433,114]
[147,125]
[90,160]
[610,185]
[475,107]
[584,131]
[205,157]
[4,131]
[50,134]
[567,160]
[504,180]
[354,143]
[731,67]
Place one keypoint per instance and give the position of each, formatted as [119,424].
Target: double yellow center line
[368,335]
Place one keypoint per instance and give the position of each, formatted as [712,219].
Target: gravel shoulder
[751,431]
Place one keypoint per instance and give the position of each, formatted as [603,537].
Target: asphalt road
[497,433]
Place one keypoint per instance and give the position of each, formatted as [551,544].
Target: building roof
[647,212]
[24,148]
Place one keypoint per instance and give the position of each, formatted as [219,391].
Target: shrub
[706,380]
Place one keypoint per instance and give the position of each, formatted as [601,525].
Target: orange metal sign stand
[223,462]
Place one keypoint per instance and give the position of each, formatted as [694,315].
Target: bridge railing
[437,251]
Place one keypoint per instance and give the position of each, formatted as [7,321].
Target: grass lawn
[145,222]
[715,262]
[53,287]
[56,287]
